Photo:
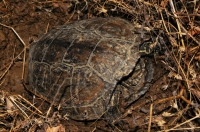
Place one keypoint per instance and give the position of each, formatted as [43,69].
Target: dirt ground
[174,94]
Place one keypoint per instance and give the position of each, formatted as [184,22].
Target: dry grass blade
[150,117]
[18,100]
[5,3]
[14,58]
[179,125]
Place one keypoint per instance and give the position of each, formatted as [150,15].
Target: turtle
[85,67]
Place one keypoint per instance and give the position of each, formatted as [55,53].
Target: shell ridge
[92,53]
[71,44]
[99,75]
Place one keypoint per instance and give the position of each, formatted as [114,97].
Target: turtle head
[149,47]
[146,48]
[155,44]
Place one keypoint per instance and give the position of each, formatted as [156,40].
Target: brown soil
[31,20]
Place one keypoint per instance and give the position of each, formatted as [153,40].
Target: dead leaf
[167,114]
[173,41]
[159,120]
[192,72]
[59,128]
[164,3]
[193,31]
[10,106]
[196,93]
[174,75]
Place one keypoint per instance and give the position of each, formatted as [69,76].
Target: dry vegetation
[171,104]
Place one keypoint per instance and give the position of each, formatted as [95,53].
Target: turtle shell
[78,66]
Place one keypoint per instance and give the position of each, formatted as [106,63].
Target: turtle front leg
[138,82]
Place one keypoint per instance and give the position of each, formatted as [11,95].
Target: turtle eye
[85,113]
